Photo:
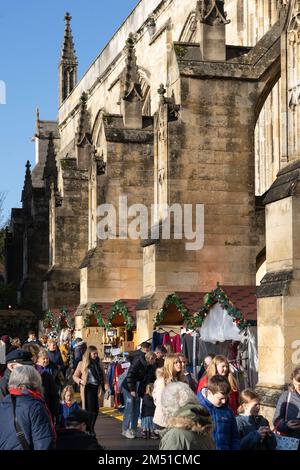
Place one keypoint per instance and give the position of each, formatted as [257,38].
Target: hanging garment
[202,349]
[252,357]
[157,339]
[117,373]
[174,341]
[110,377]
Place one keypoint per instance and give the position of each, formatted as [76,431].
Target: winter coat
[74,439]
[233,396]
[248,431]
[64,351]
[4,384]
[33,419]
[225,432]
[189,379]
[50,392]
[80,375]
[136,374]
[78,353]
[65,410]
[149,378]
[55,357]
[189,429]
[148,407]
[293,412]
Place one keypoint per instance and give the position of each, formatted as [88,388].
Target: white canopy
[219,326]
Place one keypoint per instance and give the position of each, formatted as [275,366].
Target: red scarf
[26,392]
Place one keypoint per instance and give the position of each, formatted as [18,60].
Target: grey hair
[176,395]
[27,377]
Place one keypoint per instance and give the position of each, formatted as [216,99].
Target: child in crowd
[214,398]
[67,404]
[254,429]
[148,409]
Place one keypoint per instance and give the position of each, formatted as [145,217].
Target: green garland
[174,300]
[49,320]
[119,308]
[219,296]
[65,315]
[94,312]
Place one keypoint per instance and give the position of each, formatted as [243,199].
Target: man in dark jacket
[140,353]
[14,359]
[133,388]
[74,435]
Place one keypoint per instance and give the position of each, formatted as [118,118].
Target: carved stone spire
[68,53]
[212,22]
[27,188]
[84,128]
[132,97]
[50,170]
[68,63]
[212,12]
[132,85]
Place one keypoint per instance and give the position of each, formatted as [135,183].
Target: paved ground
[108,429]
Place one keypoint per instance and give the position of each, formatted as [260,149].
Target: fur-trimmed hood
[192,418]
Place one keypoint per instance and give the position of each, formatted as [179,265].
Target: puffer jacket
[136,374]
[189,429]
[233,396]
[33,419]
[250,438]
[225,432]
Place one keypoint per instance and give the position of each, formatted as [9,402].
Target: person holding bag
[287,415]
[26,422]
[91,377]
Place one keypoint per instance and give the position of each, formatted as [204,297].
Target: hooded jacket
[225,432]
[250,438]
[189,429]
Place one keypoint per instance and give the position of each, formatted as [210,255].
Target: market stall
[222,321]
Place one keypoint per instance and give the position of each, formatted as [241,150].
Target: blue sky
[31,34]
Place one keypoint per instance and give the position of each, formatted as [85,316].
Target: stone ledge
[251,66]
[144,303]
[275,284]
[269,396]
[285,184]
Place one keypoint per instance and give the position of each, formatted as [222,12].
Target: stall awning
[242,297]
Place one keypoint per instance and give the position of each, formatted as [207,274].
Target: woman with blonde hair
[171,372]
[220,366]
[90,375]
